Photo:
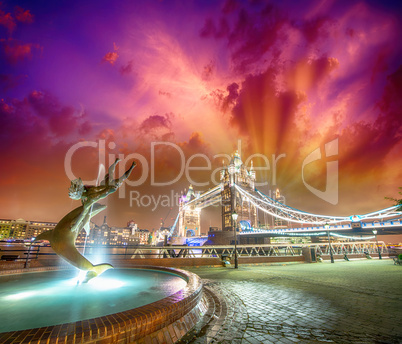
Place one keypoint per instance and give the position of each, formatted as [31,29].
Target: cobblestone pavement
[347,302]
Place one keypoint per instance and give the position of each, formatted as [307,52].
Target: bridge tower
[189,215]
[276,221]
[237,173]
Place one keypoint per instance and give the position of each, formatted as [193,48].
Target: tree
[397,201]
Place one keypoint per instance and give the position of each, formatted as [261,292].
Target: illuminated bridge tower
[189,215]
[237,173]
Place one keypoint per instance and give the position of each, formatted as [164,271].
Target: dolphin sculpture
[62,241]
[62,238]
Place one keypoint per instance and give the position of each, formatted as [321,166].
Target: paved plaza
[359,301]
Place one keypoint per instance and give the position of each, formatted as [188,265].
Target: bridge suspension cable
[174,224]
[284,212]
[208,198]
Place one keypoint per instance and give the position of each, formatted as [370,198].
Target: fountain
[121,305]
[62,238]
[154,304]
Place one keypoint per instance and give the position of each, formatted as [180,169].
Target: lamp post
[234,217]
[378,248]
[326,226]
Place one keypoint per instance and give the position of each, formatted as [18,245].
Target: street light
[378,248]
[234,217]
[326,226]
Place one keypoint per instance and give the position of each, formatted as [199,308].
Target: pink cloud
[315,29]
[127,69]
[40,116]
[208,71]
[253,33]
[166,94]
[157,126]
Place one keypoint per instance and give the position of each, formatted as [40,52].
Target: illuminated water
[40,299]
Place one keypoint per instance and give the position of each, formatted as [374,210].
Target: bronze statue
[62,237]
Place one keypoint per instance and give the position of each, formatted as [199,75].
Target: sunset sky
[277,78]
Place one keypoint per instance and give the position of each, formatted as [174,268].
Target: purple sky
[283,77]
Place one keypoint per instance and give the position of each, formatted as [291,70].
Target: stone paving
[359,301]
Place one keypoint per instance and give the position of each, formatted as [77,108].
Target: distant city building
[21,229]
[98,235]
[143,236]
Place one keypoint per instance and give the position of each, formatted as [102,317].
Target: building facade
[98,234]
[21,229]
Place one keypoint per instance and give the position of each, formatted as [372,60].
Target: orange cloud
[112,56]
[308,73]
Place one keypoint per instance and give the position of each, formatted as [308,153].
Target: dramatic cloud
[264,115]
[7,20]
[36,133]
[111,57]
[250,36]
[38,118]
[9,81]
[315,29]
[23,16]
[156,123]
[127,69]
[208,71]
[16,51]
[306,74]
[285,78]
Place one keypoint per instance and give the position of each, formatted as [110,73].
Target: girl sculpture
[62,237]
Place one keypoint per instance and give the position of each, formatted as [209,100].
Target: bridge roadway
[387,227]
[383,228]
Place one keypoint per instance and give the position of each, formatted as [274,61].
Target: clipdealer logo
[330,194]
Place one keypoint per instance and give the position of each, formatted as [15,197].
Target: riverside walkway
[359,301]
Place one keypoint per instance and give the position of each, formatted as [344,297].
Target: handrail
[244,250]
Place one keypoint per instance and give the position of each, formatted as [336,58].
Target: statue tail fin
[101,268]
[96,271]
[45,236]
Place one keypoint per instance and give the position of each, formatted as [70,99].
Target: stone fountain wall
[163,321]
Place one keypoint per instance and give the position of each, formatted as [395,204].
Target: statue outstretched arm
[92,194]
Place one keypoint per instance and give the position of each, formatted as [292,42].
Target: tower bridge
[237,194]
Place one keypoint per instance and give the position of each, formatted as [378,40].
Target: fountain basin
[178,306]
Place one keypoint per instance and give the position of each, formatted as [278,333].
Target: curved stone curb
[165,321]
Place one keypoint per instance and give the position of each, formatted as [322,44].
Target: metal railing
[143,252]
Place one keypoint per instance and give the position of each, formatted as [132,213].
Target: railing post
[326,226]
[26,261]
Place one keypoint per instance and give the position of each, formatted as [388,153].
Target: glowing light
[351,237]
[81,277]
[20,296]
[100,283]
